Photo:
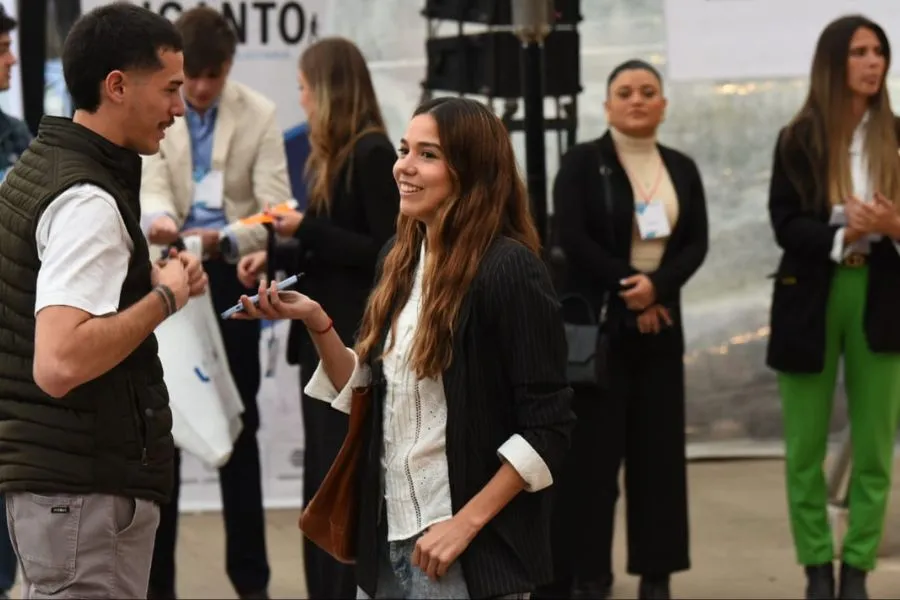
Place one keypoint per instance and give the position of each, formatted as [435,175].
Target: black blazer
[803,279]
[508,376]
[594,264]
[338,249]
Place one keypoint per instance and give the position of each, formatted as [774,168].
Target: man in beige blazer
[224,160]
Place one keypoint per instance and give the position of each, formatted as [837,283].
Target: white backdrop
[757,39]
[11,101]
[275,34]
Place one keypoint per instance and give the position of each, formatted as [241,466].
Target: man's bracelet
[168,298]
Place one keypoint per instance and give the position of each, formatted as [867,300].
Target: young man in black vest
[85,427]
[14,139]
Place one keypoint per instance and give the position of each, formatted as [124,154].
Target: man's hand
[197,278]
[163,231]
[249,268]
[173,274]
[640,293]
[652,319]
[209,239]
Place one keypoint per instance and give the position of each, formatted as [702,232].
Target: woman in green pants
[833,206]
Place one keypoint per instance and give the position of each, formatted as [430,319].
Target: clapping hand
[877,217]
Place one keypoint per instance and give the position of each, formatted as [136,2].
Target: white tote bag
[206,406]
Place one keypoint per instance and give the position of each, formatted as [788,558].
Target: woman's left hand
[441,545]
[274,305]
[878,217]
[639,293]
[885,213]
[286,223]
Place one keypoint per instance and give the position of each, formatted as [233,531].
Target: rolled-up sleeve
[321,387]
[527,462]
[531,333]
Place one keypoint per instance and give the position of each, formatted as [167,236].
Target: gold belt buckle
[855,260]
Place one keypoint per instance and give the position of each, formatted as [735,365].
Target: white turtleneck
[644,165]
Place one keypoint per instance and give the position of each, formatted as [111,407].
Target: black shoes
[592,590]
[820,583]
[654,588]
[853,583]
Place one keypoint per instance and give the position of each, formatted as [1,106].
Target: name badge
[652,221]
[210,189]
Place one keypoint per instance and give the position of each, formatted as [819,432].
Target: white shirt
[84,251]
[414,458]
[862,189]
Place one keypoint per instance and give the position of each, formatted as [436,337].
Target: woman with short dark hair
[641,254]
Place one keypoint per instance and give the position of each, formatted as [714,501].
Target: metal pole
[535,142]
[532,20]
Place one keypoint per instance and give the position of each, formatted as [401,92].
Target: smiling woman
[463,348]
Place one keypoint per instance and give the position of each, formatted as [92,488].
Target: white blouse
[414,459]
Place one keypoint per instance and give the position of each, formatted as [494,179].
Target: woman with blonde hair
[464,341]
[353,207]
[833,205]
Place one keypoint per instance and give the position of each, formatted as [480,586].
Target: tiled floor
[741,544]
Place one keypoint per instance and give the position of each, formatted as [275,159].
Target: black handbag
[588,340]
[586,364]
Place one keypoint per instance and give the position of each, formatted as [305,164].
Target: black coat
[508,376]
[338,249]
[596,264]
[803,279]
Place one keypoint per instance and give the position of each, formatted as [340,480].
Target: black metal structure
[498,64]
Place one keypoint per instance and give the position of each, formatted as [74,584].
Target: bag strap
[605,174]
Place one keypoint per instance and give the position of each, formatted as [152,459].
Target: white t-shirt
[84,250]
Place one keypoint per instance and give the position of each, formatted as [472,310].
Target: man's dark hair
[209,40]
[7,23]
[114,37]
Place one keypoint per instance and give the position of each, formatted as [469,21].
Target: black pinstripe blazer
[508,376]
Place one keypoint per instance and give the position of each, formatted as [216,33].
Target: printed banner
[271,37]
[732,40]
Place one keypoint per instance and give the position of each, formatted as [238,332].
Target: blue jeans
[398,578]
[8,561]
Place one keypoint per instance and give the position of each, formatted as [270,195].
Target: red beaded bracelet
[326,330]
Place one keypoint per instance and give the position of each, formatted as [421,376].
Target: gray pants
[93,546]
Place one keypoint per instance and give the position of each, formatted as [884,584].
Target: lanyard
[646,195]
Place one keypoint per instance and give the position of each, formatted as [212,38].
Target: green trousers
[873,396]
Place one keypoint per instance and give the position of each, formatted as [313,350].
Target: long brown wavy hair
[489,200]
[346,110]
[824,130]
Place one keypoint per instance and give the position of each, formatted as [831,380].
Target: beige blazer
[248,147]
